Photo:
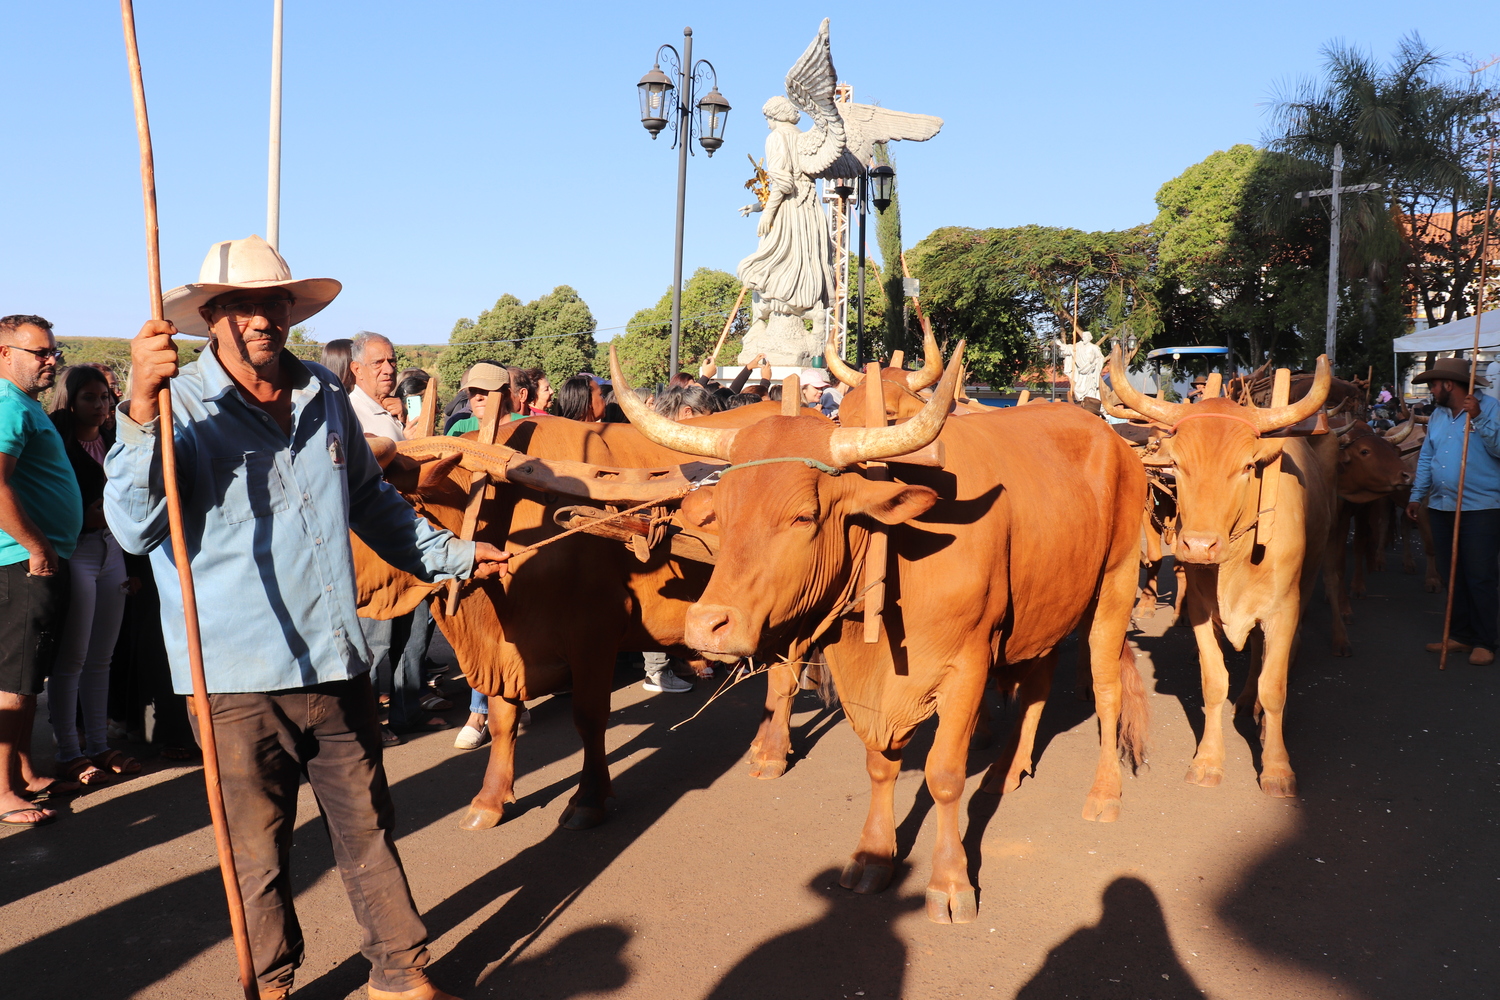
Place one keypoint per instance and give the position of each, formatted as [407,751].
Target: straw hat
[1451,369]
[247,263]
[486,376]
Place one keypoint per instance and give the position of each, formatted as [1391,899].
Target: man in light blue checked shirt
[274,473]
[1476,585]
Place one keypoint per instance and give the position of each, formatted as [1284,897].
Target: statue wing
[867,124]
[809,86]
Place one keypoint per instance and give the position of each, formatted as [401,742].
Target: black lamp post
[664,104]
[877,184]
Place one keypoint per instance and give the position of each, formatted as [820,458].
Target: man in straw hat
[274,472]
[1476,585]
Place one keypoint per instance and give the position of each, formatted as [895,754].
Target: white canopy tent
[1456,336]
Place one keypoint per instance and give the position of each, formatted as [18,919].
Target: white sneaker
[470,738]
[666,681]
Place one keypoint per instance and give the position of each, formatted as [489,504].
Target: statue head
[779,109]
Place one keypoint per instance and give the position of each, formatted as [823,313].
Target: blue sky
[438,155]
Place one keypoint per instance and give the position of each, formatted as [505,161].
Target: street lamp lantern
[713,113]
[665,103]
[655,91]
[843,187]
[883,182]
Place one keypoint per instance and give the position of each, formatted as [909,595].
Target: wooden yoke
[791,396]
[879,545]
[427,422]
[489,425]
[1270,473]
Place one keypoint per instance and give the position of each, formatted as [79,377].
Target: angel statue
[791,273]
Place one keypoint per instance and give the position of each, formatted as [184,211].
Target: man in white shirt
[372,360]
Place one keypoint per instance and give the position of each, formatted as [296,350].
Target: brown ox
[972,581]
[1370,473]
[1246,570]
[559,619]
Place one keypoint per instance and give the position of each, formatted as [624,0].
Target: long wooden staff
[1463,459]
[179,536]
[728,324]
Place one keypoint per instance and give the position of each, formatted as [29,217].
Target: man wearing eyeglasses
[41,514]
[372,361]
[274,473]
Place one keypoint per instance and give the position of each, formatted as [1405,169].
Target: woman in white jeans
[80,677]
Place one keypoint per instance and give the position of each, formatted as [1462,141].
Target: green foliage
[645,346]
[888,236]
[112,351]
[1009,291]
[554,333]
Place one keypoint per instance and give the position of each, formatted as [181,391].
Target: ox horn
[1274,418]
[706,442]
[1401,431]
[837,368]
[849,445]
[1158,410]
[932,364]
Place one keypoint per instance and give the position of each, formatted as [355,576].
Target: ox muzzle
[719,632]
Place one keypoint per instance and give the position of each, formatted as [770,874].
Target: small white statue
[791,272]
[1083,364]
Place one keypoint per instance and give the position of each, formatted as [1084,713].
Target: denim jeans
[80,674]
[330,733]
[397,648]
[1476,586]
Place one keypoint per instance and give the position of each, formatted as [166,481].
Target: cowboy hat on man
[275,472]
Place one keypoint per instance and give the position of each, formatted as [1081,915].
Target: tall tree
[554,333]
[1404,125]
[1008,292]
[707,298]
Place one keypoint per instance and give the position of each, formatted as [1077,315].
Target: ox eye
[804,518]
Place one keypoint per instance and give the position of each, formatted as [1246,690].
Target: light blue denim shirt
[267,520]
[1437,464]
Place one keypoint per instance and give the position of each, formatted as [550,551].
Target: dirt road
[1379,882]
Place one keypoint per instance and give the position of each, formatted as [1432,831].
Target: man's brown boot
[1481,657]
[1454,646]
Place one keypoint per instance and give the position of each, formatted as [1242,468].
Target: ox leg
[1362,557]
[1404,533]
[874,860]
[950,894]
[1276,777]
[1247,701]
[1207,767]
[1179,575]
[1119,699]
[1434,583]
[487,809]
[773,741]
[1145,605]
[1380,519]
[1333,584]
[591,690]
[1005,774]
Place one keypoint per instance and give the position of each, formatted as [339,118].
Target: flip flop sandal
[83,771]
[117,762]
[47,817]
[435,703]
[57,788]
[178,753]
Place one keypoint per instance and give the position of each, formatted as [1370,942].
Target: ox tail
[1135,711]
[817,676]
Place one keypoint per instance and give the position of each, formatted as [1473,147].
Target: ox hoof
[1280,785]
[766,770]
[1432,586]
[1379,564]
[580,817]
[1099,810]
[866,879]
[1204,774]
[961,907]
[481,819]
[1342,649]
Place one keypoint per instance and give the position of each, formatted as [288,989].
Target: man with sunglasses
[274,473]
[41,514]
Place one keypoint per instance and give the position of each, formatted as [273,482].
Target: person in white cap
[274,472]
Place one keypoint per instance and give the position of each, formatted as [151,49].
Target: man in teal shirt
[41,514]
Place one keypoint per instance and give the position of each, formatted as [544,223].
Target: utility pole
[273,175]
[1335,215]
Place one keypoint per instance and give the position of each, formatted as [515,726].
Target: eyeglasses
[244,309]
[46,353]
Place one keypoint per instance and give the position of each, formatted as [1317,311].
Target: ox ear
[1268,450]
[698,507]
[893,503]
